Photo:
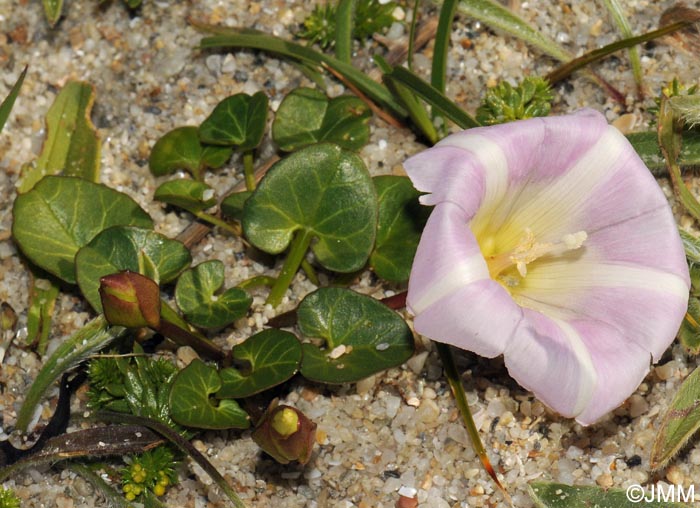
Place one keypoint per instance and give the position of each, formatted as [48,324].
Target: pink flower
[551,244]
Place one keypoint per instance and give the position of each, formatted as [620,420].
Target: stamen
[528,250]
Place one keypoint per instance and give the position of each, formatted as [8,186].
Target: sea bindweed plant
[552,244]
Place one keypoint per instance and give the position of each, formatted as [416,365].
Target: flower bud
[286,434]
[129,299]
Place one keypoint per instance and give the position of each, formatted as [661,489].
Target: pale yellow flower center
[525,252]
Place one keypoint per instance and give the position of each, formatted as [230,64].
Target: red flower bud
[129,299]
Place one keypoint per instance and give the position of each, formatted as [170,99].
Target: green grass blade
[251,39]
[497,16]
[595,55]
[344,27]
[53,9]
[88,340]
[9,101]
[620,19]
[412,34]
[438,73]
[434,98]
[415,108]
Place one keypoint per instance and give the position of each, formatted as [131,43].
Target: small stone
[638,405]
[666,371]
[605,480]
[417,362]
[675,476]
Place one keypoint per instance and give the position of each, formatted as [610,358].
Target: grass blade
[620,19]
[344,26]
[595,55]
[9,101]
[434,98]
[438,73]
[88,340]
[497,16]
[244,38]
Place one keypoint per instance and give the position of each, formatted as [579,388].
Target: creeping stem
[448,363]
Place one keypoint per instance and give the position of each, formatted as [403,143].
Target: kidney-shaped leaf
[191,405]
[186,194]
[307,116]
[323,190]
[61,214]
[560,495]
[272,356]
[196,296]
[401,221]
[362,336]
[128,248]
[181,149]
[238,120]
[233,204]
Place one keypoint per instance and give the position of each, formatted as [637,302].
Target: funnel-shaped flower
[130,299]
[550,243]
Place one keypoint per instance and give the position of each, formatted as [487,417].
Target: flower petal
[548,357]
[564,324]
[450,279]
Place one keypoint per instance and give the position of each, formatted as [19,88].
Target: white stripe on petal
[561,276]
[496,172]
[468,270]
[551,209]
[588,371]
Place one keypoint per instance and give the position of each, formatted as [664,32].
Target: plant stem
[248,170]
[260,280]
[453,378]
[297,251]
[310,272]
[187,338]
[221,224]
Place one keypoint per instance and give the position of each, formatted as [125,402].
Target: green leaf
[6,105]
[321,190]
[647,146]
[306,116]
[362,336]
[195,295]
[689,334]
[620,18]
[62,214]
[128,248]
[344,28]
[42,301]
[187,194]
[181,149]
[497,16]
[72,145]
[399,227]
[272,357]
[432,96]
[560,495]
[190,402]
[233,204]
[680,422]
[92,337]
[239,120]
[52,10]
[133,4]
[670,129]
[226,37]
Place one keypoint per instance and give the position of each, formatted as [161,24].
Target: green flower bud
[286,434]
[129,299]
